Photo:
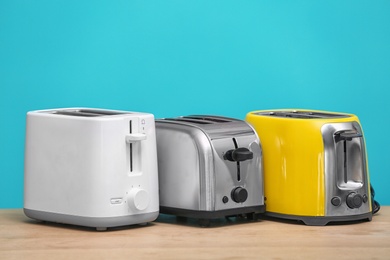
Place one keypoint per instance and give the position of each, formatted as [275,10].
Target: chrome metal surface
[184,157]
[345,169]
[193,173]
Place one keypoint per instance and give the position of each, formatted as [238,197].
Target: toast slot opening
[188,120]
[213,119]
[300,114]
[350,166]
[75,113]
[87,112]
[345,163]
[131,148]
[238,163]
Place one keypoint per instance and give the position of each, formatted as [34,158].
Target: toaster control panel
[345,169]
[238,154]
[238,172]
[353,200]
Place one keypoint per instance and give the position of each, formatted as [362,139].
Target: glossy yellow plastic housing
[293,157]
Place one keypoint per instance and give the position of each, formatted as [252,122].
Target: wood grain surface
[172,238]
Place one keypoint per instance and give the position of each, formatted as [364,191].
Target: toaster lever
[347,135]
[131,138]
[238,155]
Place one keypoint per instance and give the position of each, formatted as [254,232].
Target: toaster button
[336,201]
[365,198]
[354,200]
[116,201]
[225,199]
[239,194]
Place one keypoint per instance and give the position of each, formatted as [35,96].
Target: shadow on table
[205,223]
[39,223]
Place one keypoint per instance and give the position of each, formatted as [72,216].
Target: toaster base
[321,221]
[100,223]
[201,214]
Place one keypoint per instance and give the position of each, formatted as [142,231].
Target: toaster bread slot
[349,159]
[101,112]
[75,113]
[213,119]
[200,119]
[300,114]
[238,162]
[87,112]
[131,147]
[188,120]
[134,147]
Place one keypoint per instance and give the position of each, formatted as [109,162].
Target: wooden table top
[172,238]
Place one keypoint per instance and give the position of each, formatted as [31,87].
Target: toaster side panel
[181,166]
[293,165]
[59,170]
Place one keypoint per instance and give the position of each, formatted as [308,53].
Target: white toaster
[91,167]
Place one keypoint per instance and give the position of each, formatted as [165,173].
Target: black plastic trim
[321,221]
[211,214]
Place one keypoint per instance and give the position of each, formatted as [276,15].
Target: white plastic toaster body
[91,167]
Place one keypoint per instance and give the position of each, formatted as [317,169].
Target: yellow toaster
[315,165]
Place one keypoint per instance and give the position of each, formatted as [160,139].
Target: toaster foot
[323,220]
[204,217]
[204,222]
[252,216]
[101,228]
[181,219]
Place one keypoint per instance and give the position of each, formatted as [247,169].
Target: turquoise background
[173,58]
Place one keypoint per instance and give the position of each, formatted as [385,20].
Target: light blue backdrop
[174,58]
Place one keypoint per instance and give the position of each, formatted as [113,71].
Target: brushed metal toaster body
[209,167]
[91,167]
[315,165]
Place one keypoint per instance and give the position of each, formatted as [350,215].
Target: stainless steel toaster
[209,167]
[91,167]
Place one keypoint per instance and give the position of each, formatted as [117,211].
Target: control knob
[354,200]
[138,199]
[239,194]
